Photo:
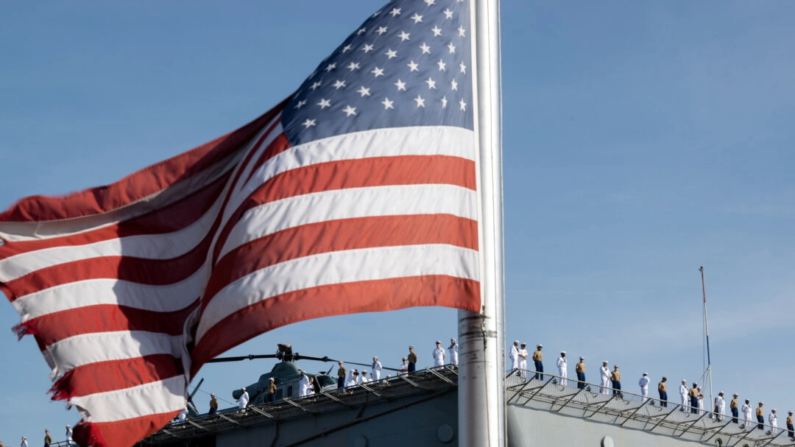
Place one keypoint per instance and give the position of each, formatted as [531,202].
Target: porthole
[719,442]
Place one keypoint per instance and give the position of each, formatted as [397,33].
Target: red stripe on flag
[120,433]
[155,272]
[173,218]
[280,144]
[101,377]
[339,235]
[57,326]
[139,185]
[381,171]
[336,299]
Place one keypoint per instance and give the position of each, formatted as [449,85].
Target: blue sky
[642,140]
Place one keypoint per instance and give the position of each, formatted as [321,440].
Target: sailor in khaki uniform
[760,416]
[342,376]
[662,389]
[580,370]
[616,378]
[734,406]
[790,427]
[538,359]
[693,393]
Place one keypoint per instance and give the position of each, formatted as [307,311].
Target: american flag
[356,194]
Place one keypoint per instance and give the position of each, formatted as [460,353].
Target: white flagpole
[481,394]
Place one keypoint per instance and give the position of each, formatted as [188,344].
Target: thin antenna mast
[707,358]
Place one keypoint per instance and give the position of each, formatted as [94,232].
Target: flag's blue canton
[409,64]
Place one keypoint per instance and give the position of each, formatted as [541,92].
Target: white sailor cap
[524,344]
[645,374]
[438,342]
[562,352]
[605,361]
[516,342]
[375,356]
[540,345]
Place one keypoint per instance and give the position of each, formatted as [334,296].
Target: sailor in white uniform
[514,356]
[352,378]
[643,383]
[563,368]
[747,410]
[720,407]
[604,372]
[364,378]
[438,355]
[683,394]
[303,385]
[69,436]
[453,350]
[523,360]
[183,415]
[376,369]
[772,420]
[242,401]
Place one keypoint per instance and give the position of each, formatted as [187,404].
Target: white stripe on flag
[146,246]
[404,141]
[351,203]
[165,396]
[92,292]
[24,231]
[80,350]
[338,268]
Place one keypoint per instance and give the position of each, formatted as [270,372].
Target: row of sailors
[691,399]
[354,377]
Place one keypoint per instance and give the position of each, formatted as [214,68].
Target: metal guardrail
[633,411]
[423,382]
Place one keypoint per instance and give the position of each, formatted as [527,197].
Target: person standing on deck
[605,373]
[523,361]
[271,392]
[734,406]
[616,378]
[790,426]
[747,410]
[683,394]
[662,389]
[720,407]
[303,385]
[515,357]
[563,368]
[213,405]
[342,376]
[760,416]
[579,368]
[412,358]
[68,436]
[242,401]
[376,369]
[403,369]
[453,350]
[772,420]
[693,393]
[643,383]
[438,355]
[47,438]
[538,359]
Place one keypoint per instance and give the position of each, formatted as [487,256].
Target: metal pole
[706,332]
[481,393]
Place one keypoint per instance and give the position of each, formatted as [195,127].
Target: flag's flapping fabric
[356,194]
